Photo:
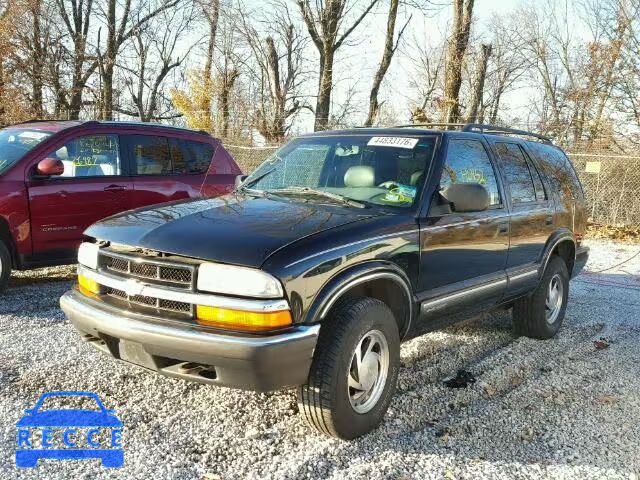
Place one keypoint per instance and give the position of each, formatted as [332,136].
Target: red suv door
[92,187]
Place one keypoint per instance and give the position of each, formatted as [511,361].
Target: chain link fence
[612,186]
[611,182]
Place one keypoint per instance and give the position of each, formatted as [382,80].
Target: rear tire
[5,266]
[540,314]
[354,370]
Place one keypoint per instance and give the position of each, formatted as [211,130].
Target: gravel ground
[559,408]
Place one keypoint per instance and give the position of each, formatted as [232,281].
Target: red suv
[59,177]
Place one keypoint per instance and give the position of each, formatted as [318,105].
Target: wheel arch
[382,280]
[7,239]
[563,244]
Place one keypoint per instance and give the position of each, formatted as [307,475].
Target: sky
[357,61]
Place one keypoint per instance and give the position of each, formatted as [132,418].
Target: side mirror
[240,179]
[50,167]
[466,197]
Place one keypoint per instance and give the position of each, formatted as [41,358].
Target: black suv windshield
[15,143]
[383,169]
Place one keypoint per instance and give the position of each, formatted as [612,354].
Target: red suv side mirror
[50,167]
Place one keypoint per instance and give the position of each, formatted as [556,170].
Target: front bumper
[260,363]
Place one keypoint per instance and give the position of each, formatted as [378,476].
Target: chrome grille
[152,270]
[170,305]
[156,270]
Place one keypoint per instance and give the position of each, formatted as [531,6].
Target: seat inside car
[359,176]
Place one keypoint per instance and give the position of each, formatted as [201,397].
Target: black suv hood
[233,229]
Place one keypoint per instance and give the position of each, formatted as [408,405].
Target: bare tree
[506,64]
[617,36]
[77,23]
[279,74]
[328,33]
[133,18]
[478,83]
[211,10]
[157,56]
[462,17]
[429,64]
[390,47]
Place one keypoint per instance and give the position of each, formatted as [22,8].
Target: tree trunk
[228,80]
[493,117]
[462,16]
[478,84]
[325,84]
[109,61]
[384,63]
[38,62]
[207,79]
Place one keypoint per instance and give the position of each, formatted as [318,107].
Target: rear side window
[150,154]
[199,156]
[559,171]
[468,162]
[517,173]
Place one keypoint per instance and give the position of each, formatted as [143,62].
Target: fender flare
[342,282]
[7,238]
[556,238]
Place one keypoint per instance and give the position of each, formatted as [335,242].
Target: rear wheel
[354,370]
[540,314]
[5,266]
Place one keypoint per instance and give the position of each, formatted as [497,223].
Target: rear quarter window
[198,157]
[559,171]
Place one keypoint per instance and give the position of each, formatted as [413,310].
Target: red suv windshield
[15,143]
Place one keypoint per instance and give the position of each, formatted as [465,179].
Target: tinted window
[179,157]
[559,171]
[467,162]
[150,154]
[90,156]
[537,183]
[516,173]
[200,155]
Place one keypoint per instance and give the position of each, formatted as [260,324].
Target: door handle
[114,188]
[503,228]
[549,220]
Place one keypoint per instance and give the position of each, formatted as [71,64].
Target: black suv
[336,249]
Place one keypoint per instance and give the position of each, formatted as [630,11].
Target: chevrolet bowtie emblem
[133,287]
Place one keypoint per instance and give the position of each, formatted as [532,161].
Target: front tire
[354,370]
[540,314]
[5,266]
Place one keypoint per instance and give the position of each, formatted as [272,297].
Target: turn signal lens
[242,320]
[87,286]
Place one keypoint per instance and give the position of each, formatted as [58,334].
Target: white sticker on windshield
[398,142]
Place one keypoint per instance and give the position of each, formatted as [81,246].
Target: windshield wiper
[320,193]
[253,181]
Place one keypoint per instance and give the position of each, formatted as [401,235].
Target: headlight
[88,255]
[241,281]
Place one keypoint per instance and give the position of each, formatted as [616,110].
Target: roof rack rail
[483,128]
[431,124]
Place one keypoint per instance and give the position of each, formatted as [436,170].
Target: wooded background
[257,72]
